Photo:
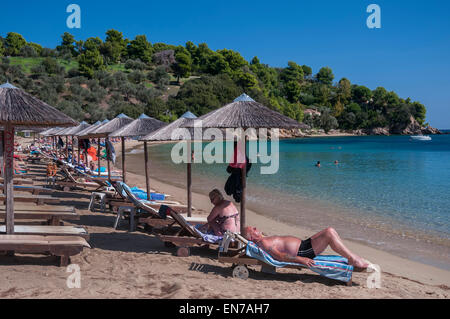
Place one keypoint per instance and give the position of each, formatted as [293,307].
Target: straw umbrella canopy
[72,131]
[20,109]
[104,130]
[49,134]
[165,134]
[83,135]
[245,113]
[142,126]
[86,130]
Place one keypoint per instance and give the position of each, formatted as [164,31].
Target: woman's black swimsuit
[221,221]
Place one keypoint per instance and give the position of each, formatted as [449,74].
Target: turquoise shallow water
[389,181]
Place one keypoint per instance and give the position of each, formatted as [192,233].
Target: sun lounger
[123,198]
[333,267]
[61,246]
[146,209]
[69,182]
[38,200]
[181,233]
[48,230]
[51,216]
[18,181]
[129,194]
[35,190]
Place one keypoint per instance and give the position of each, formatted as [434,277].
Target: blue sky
[410,54]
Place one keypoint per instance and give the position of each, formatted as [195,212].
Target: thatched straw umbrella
[245,113]
[144,125]
[61,133]
[49,134]
[104,130]
[72,131]
[19,109]
[165,134]
[82,135]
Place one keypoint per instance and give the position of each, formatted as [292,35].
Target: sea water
[386,191]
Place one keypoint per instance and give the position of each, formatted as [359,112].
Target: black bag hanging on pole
[233,186]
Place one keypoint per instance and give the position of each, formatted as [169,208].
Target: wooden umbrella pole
[244,189]
[9,175]
[107,159]
[73,149]
[189,178]
[124,172]
[78,148]
[67,147]
[2,159]
[86,156]
[98,157]
[147,164]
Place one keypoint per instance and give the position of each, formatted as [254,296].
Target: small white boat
[421,138]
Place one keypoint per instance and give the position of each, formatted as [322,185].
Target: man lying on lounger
[292,249]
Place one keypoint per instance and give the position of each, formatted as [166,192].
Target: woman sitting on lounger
[223,217]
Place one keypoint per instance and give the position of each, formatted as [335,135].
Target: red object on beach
[93,153]
[239,160]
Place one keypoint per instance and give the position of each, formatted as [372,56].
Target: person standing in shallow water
[318,164]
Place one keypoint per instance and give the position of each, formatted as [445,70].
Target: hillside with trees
[95,79]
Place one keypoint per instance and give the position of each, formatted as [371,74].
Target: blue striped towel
[333,267]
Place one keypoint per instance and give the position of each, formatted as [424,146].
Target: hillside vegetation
[94,79]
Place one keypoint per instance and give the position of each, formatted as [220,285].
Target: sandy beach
[138,265]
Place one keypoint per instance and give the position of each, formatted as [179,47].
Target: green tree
[344,91]
[140,49]
[362,94]
[327,121]
[255,61]
[38,48]
[51,66]
[247,81]
[293,72]
[307,71]
[233,58]
[325,76]
[420,112]
[14,43]
[115,46]
[338,108]
[183,65]
[89,62]
[292,90]
[67,45]
[216,64]
[2,47]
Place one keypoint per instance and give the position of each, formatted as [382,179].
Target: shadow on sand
[306,278]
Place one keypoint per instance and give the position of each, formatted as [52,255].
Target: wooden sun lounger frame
[183,238]
[69,182]
[38,200]
[19,181]
[240,261]
[56,231]
[34,190]
[63,247]
[118,200]
[52,217]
